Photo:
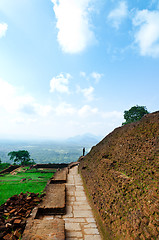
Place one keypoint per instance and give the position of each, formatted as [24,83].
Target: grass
[11,184]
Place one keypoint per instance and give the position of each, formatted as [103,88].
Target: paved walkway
[79,220]
[77,223]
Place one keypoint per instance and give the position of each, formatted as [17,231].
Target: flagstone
[72,226]
[79,219]
[92,237]
[76,220]
[83,213]
[91,231]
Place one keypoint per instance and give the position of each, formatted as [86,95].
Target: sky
[70,67]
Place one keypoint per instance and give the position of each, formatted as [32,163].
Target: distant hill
[50,151]
[85,139]
[121,176]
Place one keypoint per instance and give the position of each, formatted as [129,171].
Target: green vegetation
[134,114]
[21,156]
[4,166]
[44,152]
[33,180]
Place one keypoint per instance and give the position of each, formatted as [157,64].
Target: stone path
[55,219]
[79,220]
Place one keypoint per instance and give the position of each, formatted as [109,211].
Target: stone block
[60,177]
[43,229]
[54,201]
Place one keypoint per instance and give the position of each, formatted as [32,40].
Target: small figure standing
[83,151]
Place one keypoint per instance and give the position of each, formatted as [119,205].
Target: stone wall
[53,165]
[122,177]
[9,169]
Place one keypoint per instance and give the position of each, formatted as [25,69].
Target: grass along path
[35,181]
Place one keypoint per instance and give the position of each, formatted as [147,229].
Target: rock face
[121,176]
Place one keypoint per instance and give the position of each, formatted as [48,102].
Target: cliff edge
[121,176]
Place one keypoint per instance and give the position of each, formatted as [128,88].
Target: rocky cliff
[121,176]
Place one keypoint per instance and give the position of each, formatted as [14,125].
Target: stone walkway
[77,223]
[79,220]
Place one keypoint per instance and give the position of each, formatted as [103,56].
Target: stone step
[45,230]
[54,203]
[59,177]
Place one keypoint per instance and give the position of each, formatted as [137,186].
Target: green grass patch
[35,181]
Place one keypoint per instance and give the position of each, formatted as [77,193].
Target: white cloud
[96,76]
[43,110]
[118,14]
[67,110]
[23,116]
[7,96]
[83,74]
[60,83]
[5,89]
[147,33]
[64,109]
[86,111]
[87,92]
[73,24]
[3,29]
[14,103]
[22,120]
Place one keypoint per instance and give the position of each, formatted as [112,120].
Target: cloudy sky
[69,67]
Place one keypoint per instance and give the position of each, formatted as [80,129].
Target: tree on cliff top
[21,156]
[134,114]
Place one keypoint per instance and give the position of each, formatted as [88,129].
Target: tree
[21,156]
[134,114]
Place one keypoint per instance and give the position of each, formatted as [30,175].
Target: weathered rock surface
[121,175]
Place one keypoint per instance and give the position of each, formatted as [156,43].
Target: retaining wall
[9,169]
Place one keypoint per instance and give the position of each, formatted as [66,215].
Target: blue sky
[69,67]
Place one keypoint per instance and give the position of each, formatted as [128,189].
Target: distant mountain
[84,140]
